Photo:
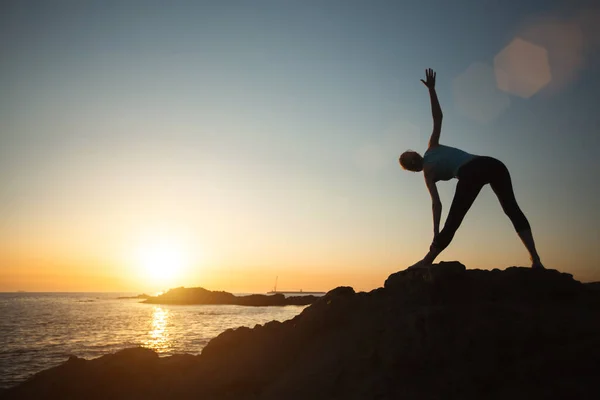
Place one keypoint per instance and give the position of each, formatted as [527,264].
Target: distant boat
[293,292]
[21,291]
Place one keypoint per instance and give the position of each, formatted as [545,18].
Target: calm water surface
[41,330]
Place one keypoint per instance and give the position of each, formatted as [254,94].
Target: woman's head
[412,161]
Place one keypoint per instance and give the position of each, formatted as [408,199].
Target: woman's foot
[428,259]
[419,265]
[432,255]
[537,265]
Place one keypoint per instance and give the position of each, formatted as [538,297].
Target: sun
[162,261]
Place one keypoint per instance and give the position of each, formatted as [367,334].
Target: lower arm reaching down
[437,214]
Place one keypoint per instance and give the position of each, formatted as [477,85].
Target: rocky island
[440,332]
[138,297]
[200,295]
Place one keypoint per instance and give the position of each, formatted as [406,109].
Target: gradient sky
[262,137]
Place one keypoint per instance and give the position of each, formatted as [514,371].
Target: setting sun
[162,261]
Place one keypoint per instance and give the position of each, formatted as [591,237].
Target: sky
[226,144]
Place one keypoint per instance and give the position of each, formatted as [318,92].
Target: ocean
[41,330]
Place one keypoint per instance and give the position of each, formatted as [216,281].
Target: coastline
[443,331]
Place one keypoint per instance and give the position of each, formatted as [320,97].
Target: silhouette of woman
[442,163]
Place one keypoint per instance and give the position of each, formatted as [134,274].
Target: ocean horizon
[40,330]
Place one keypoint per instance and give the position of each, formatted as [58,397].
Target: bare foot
[537,265]
[420,264]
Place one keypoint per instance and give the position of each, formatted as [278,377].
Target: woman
[442,163]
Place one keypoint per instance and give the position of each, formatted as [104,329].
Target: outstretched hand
[430,78]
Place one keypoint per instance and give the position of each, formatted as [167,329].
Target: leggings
[471,178]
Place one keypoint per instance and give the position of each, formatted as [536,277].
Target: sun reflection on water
[158,339]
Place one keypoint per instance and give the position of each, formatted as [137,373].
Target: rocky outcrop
[200,295]
[441,332]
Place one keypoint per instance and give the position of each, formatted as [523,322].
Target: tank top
[446,161]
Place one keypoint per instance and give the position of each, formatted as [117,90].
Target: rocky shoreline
[442,332]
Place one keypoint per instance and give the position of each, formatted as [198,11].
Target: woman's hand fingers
[430,75]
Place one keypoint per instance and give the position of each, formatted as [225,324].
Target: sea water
[41,330]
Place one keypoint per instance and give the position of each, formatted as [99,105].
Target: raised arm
[436,110]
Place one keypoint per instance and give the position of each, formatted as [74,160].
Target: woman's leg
[463,199]
[502,185]
[464,196]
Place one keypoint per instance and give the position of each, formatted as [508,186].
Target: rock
[593,285]
[139,296]
[424,285]
[443,332]
[198,295]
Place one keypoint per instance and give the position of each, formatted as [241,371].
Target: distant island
[200,295]
[139,296]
